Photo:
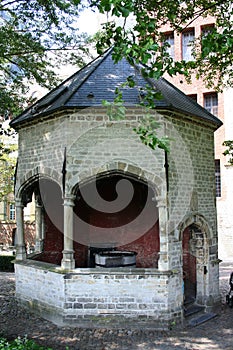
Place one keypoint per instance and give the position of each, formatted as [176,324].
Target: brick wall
[149,298]
[7,233]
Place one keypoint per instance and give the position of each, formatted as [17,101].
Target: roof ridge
[100,59]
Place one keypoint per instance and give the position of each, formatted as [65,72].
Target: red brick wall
[7,233]
[144,241]
[198,88]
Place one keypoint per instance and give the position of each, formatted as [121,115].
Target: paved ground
[15,321]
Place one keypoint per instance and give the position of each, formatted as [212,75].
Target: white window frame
[187,45]
[169,38]
[12,211]
[211,103]
[218,178]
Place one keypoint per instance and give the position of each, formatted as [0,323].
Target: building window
[187,45]
[211,103]
[169,39]
[12,211]
[205,30]
[217,178]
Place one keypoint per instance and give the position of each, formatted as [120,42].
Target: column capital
[38,201]
[19,203]
[161,201]
[69,199]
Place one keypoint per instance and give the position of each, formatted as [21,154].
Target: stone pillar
[68,261]
[42,224]
[20,246]
[163,263]
[39,226]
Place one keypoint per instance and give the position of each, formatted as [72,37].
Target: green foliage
[147,131]
[143,42]
[7,170]
[36,36]
[20,344]
[6,265]
[229,150]
[8,148]
[115,109]
[147,127]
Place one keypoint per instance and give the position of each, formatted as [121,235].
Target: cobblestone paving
[216,334]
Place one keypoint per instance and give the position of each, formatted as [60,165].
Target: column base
[68,262]
[39,246]
[163,263]
[21,252]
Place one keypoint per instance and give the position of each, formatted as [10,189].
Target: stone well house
[100,190]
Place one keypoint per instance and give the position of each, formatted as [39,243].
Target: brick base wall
[99,296]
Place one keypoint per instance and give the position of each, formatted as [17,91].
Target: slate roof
[97,82]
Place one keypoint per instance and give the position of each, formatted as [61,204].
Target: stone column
[20,246]
[163,263]
[68,261]
[43,224]
[39,226]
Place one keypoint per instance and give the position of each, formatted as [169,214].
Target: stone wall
[184,196]
[92,144]
[92,296]
[191,171]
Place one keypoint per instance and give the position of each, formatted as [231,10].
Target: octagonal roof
[97,81]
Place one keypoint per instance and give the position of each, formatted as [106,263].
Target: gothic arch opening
[189,264]
[50,197]
[116,211]
[195,258]
[48,202]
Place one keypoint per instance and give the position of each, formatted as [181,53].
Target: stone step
[193,309]
[201,319]
[189,300]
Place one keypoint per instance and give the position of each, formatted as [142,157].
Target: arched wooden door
[189,266]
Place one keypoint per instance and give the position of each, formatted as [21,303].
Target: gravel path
[216,334]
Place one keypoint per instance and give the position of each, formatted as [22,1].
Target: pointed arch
[26,185]
[197,220]
[118,167]
[195,234]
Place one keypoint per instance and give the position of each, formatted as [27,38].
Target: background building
[220,105]
[7,200]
